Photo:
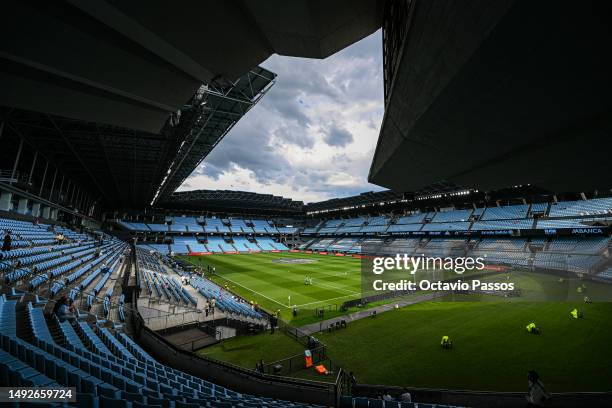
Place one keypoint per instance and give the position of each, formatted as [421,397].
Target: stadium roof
[133,64]
[497,94]
[233,201]
[127,168]
[213,113]
[372,198]
[367,198]
[105,89]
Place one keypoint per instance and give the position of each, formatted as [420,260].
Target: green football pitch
[275,281]
[492,350]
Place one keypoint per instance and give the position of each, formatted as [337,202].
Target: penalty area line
[254,291]
[328,285]
[323,301]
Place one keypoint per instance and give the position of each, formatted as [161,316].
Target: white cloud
[312,136]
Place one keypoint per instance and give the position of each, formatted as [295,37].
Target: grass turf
[247,351]
[401,347]
[263,279]
[492,350]
[269,283]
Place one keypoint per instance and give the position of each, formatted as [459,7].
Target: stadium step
[22,325]
[56,333]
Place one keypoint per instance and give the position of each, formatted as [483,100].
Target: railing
[290,365]
[7,176]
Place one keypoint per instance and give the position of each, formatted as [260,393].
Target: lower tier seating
[104,364]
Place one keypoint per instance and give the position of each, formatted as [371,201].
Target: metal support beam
[72,194]
[78,156]
[53,184]
[65,198]
[17,159]
[33,166]
[61,187]
[42,184]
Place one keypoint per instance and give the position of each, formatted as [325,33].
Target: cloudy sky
[312,137]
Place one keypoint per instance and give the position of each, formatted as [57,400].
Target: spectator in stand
[60,302]
[67,311]
[7,242]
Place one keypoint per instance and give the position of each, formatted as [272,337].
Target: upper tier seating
[452,215]
[240,226]
[185,224]
[242,244]
[333,223]
[505,212]
[216,225]
[354,222]
[538,208]
[411,219]
[158,227]
[260,226]
[596,206]
[404,227]
[217,244]
[381,220]
[327,230]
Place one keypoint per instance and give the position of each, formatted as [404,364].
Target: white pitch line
[322,301]
[254,291]
[336,287]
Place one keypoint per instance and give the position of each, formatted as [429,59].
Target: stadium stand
[505,212]
[452,215]
[107,367]
[596,206]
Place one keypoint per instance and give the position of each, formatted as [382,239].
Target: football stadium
[306,203]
